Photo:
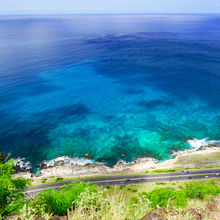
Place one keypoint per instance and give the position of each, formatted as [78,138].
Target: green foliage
[178,197]
[122,186]
[58,202]
[2,158]
[165,171]
[93,203]
[30,213]
[164,197]
[160,183]
[59,179]
[202,190]
[12,196]
[107,186]
[44,180]
[132,189]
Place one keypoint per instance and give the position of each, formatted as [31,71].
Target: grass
[201,159]
[88,201]
[128,190]
[54,179]
[44,180]
[59,179]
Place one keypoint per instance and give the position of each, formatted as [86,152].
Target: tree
[12,197]
[2,158]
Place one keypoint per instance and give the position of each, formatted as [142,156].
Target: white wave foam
[66,161]
[145,159]
[22,165]
[197,144]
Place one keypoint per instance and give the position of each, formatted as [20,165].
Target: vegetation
[58,202]
[12,197]
[80,200]
[59,179]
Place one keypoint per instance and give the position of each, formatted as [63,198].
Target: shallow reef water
[114,87]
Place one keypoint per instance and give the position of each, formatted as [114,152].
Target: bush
[44,180]
[93,203]
[164,197]
[12,197]
[202,190]
[122,186]
[168,196]
[59,179]
[30,213]
[58,202]
[132,189]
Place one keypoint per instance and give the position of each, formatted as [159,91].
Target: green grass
[44,180]
[200,159]
[88,201]
[179,169]
[59,179]
[148,187]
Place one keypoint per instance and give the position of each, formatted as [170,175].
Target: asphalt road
[134,179]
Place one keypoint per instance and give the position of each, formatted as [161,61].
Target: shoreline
[63,170]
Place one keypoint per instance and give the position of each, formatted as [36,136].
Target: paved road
[134,179]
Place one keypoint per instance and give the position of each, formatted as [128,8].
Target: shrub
[12,190]
[44,180]
[93,203]
[165,171]
[107,186]
[59,179]
[122,186]
[202,190]
[30,213]
[132,189]
[58,202]
[164,197]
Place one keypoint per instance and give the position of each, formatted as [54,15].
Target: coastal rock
[196,214]
[213,208]
[87,156]
[43,165]
[161,214]
[21,165]
[202,144]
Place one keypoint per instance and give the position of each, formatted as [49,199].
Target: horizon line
[113,13]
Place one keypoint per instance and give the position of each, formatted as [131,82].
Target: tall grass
[85,201]
[102,205]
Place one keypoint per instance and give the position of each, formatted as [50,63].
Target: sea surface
[115,87]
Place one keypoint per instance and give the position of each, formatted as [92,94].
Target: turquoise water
[113,87]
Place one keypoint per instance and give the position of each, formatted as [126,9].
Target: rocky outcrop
[160,214]
[195,214]
[213,208]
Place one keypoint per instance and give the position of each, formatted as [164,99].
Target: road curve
[133,179]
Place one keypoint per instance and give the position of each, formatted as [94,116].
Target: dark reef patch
[75,112]
[27,138]
[154,103]
[134,91]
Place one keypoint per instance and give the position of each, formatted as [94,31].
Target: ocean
[111,87]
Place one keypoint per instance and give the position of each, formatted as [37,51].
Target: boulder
[213,208]
[160,214]
[55,217]
[196,214]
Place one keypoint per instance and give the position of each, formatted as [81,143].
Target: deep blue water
[114,87]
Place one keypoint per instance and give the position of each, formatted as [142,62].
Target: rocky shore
[65,167]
